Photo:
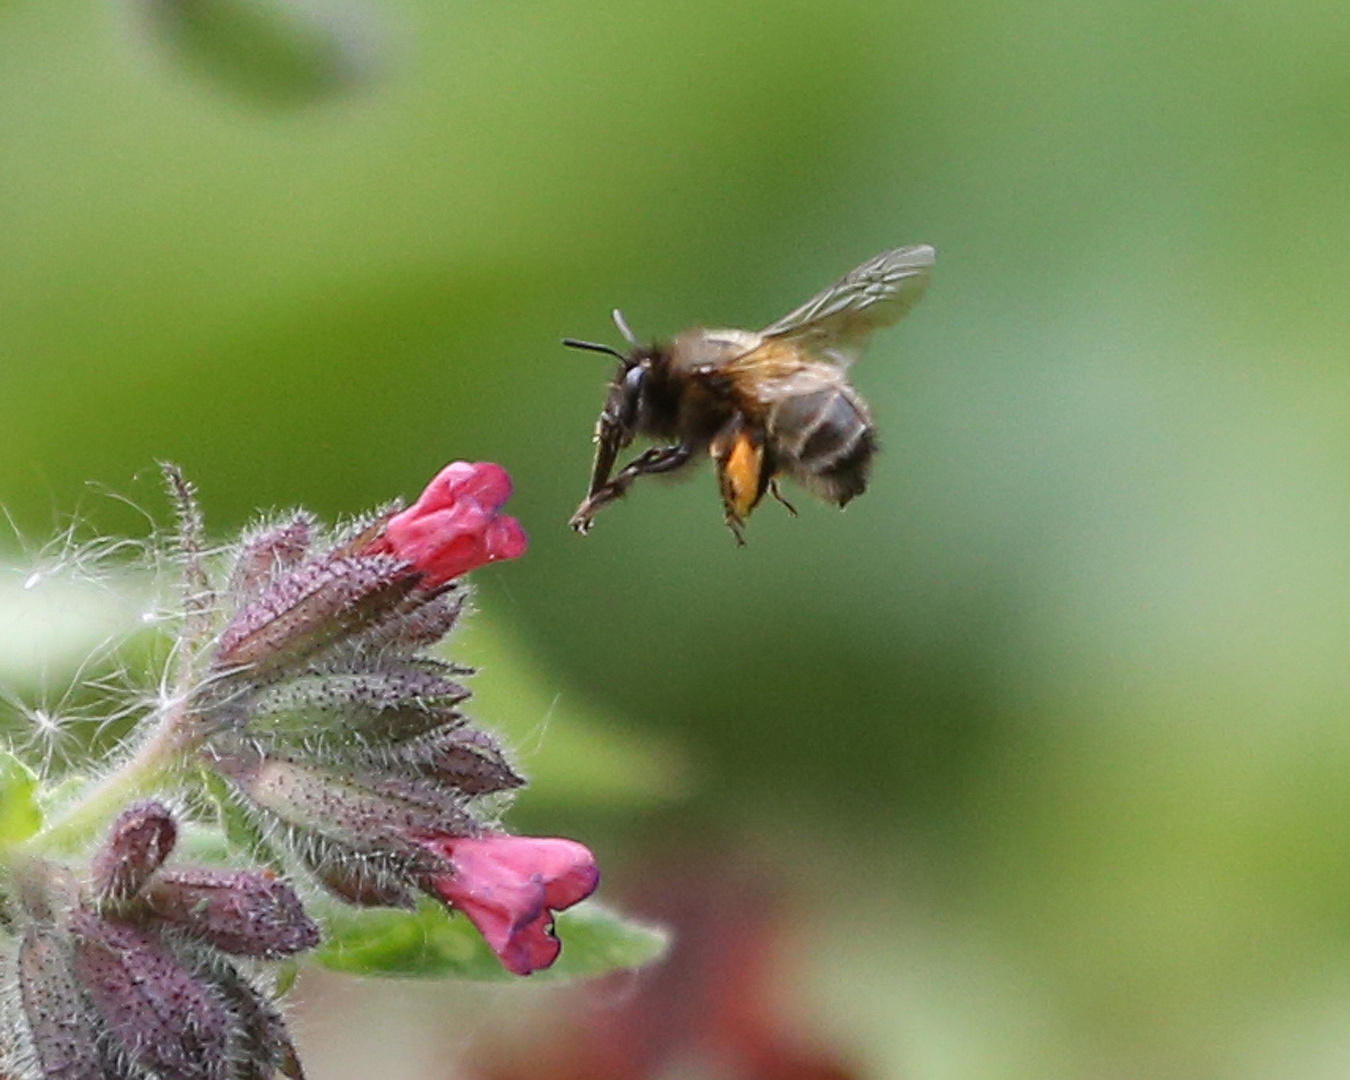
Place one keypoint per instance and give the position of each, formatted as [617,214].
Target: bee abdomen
[820,430]
[827,440]
[846,476]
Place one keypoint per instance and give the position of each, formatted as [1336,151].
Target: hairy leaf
[20,816]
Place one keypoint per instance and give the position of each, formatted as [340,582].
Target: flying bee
[762,405]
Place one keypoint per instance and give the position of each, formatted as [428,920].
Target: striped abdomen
[824,440]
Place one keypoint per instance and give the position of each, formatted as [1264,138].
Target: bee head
[625,399]
[618,420]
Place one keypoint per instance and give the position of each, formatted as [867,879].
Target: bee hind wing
[835,322]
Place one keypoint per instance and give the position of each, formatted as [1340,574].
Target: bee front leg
[658,459]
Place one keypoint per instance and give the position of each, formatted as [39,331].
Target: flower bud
[140,840]
[272,551]
[317,604]
[261,1045]
[380,706]
[375,815]
[421,623]
[454,526]
[242,912]
[61,1027]
[471,760]
[357,878]
[163,1018]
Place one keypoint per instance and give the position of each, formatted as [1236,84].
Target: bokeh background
[1036,762]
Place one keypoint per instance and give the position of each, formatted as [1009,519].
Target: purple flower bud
[420,623]
[473,761]
[62,1029]
[140,840]
[360,880]
[313,607]
[269,553]
[242,912]
[163,1018]
[262,1046]
[370,814]
[357,709]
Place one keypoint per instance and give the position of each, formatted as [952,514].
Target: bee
[764,404]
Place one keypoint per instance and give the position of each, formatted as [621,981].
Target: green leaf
[432,943]
[20,816]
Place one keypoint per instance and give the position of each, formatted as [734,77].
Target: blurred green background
[1045,741]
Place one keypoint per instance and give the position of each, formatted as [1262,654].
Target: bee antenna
[593,346]
[625,329]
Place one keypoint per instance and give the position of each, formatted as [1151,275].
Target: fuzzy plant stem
[180,728]
[152,767]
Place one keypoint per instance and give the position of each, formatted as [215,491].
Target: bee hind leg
[658,459]
[778,494]
[735,523]
[742,474]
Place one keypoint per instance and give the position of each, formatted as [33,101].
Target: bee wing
[764,378]
[835,323]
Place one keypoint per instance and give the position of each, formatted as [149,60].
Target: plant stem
[150,768]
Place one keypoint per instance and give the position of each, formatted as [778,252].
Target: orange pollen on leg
[742,472]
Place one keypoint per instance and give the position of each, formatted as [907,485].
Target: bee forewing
[835,323]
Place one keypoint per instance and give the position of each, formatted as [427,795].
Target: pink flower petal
[454,526]
[510,886]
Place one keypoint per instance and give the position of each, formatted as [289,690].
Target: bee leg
[742,475]
[777,494]
[658,459]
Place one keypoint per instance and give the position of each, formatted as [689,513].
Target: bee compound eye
[632,393]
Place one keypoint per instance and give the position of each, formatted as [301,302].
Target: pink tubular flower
[509,887]
[454,526]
